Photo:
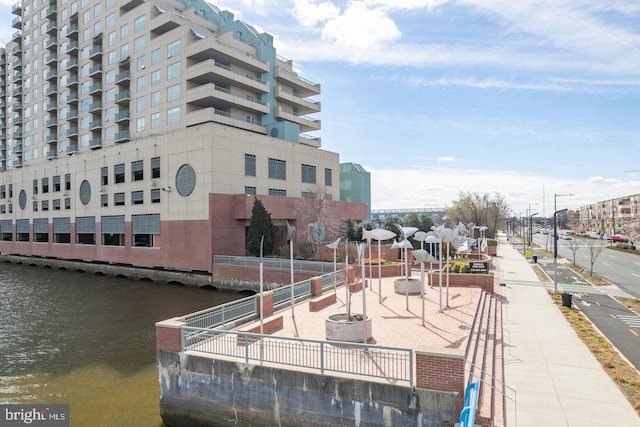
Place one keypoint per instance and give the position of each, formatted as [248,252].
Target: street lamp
[555,197]
[555,251]
[531,229]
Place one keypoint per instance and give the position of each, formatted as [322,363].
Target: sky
[526,98]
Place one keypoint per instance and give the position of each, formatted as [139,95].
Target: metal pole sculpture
[378,234]
[291,235]
[334,246]
[361,250]
[261,288]
[406,244]
[447,237]
[421,256]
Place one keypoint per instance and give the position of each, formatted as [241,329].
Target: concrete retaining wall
[202,391]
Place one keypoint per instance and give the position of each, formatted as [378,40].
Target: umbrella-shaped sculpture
[378,234]
[334,246]
[291,235]
[421,257]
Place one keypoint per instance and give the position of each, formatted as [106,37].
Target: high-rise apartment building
[139,132]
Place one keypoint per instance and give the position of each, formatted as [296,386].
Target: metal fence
[247,307]
[390,363]
[315,267]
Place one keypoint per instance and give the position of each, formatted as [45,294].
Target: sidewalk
[557,381]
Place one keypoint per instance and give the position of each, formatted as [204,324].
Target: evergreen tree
[260,225]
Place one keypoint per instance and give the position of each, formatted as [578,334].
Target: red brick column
[441,369]
[168,334]
[316,286]
[267,298]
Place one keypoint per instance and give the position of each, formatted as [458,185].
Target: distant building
[378,215]
[355,184]
[139,132]
[608,215]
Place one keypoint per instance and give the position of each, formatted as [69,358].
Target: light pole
[555,197]
[531,229]
[555,251]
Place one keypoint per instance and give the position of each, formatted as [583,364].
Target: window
[45,185]
[104,175]
[155,98]
[138,44]
[155,167]
[140,103]
[249,190]
[308,174]
[41,229]
[155,78]
[118,199]
[6,228]
[249,165]
[277,169]
[45,205]
[173,115]
[277,192]
[118,173]
[62,230]
[113,230]
[155,195]
[22,230]
[104,200]
[173,48]
[137,197]
[56,183]
[328,177]
[143,228]
[173,70]
[137,170]
[140,124]
[155,56]
[56,204]
[35,186]
[173,93]
[86,230]
[139,23]
[67,182]
[155,120]
[34,206]
[124,31]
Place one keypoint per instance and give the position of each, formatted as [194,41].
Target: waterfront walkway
[557,380]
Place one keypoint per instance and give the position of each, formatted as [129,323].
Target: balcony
[212,48]
[71,31]
[123,78]
[95,70]
[95,88]
[306,124]
[51,89]
[72,64]
[302,87]
[16,9]
[51,28]
[95,143]
[73,97]
[122,136]
[71,149]
[51,122]
[71,115]
[51,12]
[162,24]
[123,96]
[131,4]
[17,77]
[210,71]
[122,116]
[16,23]
[52,154]
[16,64]
[95,53]
[299,105]
[69,132]
[17,163]
[95,106]
[211,115]
[72,81]
[15,37]
[71,48]
[50,74]
[50,105]
[51,138]
[211,95]
[17,50]
[17,120]
[95,124]
[51,43]
[51,58]
[17,148]
[17,134]
[17,106]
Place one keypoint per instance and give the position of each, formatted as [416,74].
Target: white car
[564,237]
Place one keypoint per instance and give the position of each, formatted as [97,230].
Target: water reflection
[76,336]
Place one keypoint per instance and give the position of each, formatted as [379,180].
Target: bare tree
[317,218]
[631,229]
[480,209]
[574,245]
[594,252]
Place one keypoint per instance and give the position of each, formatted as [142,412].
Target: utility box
[566,299]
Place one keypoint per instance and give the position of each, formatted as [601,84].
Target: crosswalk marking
[630,320]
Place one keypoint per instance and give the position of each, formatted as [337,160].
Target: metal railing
[275,264]
[221,314]
[389,363]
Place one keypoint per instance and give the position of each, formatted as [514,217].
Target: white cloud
[446,159]
[309,14]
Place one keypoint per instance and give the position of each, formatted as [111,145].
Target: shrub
[456,267]
[492,242]
[465,268]
[626,246]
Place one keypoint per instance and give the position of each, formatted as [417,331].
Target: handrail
[514,399]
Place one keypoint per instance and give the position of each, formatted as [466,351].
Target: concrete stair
[484,355]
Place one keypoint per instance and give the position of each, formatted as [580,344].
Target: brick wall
[443,370]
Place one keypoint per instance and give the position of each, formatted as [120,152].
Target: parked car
[617,239]
[564,237]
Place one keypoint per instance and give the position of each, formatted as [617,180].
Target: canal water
[86,340]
